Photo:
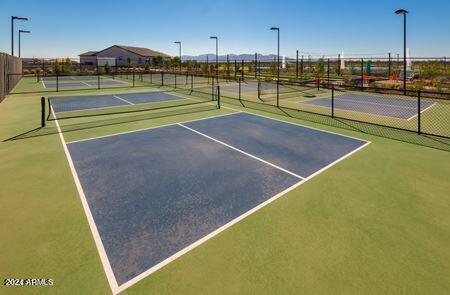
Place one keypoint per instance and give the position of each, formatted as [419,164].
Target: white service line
[98,241]
[87,84]
[241,151]
[122,99]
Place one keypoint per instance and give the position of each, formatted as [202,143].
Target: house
[120,55]
[88,58]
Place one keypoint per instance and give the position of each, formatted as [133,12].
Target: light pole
[179,43]
[217,57]
[404,12]
[278,64]
[13,18]
[20,32]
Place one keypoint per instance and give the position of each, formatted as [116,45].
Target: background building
[121,55]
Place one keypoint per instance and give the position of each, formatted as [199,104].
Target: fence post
[332,100]
[389,65]
[239,89]
[256,65]
[228,67]
[98,77]
[175,82]
[362,72]
[242,70]
[192,82]
[42,111]
[133,76]
[328,72]
[57,80]
[259,89]
[162,78]
[235,70]
[218,96]
[301,68]
[296,66]
[418,113]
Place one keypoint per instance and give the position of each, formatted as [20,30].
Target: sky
[68,28]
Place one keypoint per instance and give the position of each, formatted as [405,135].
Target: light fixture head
[19,18]
[401,11]
[274,29]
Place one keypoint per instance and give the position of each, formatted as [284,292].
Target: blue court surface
[371,104]
[78,103]
[154,194]
[77,84]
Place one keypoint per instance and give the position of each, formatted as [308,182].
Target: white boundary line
[122,99]
[98,242]
[241,151]
[43,84]
[425,109]
[153,127]
[229,224]
[354,111]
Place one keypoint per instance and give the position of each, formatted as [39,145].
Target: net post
[162,78]
[42,111]
[419,131]
[332,100]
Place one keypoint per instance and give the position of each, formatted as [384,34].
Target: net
[101,105]
[267,91]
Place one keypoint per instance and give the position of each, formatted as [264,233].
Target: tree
[57,66]
[273,68]
[158,61]
[190,65]
[107,68]
[67,66]
[320,68]
[147,67]
[176,61]
[204,68]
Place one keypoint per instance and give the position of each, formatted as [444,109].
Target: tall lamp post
[179,52]
[217,57]
[20,32]
[404,12]
[13,18]
[278,64]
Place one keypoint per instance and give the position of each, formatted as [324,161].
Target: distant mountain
[232,57]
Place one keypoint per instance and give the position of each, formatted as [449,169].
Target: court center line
[241,151]
[122,99]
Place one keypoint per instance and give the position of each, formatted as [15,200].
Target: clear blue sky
[67,28]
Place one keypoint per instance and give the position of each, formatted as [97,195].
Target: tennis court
[78,81]
[153,194]
[399,108]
